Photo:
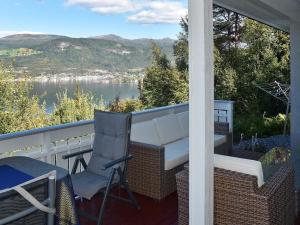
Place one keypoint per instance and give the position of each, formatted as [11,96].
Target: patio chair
[240,198]
[107,166]
[29,202]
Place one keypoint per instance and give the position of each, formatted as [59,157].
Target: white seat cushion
[168,128]
[219,139]
[145,132]
[176,153]
[183,119]
[245,166]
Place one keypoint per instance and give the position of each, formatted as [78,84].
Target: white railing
[224,112]
[50,143]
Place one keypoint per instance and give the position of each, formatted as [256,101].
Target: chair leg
[132,198]
[106,195]
[75,165]
[126,186]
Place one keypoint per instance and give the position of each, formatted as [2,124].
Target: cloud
[4,33]
[160,12]
[138,11]
[106,6]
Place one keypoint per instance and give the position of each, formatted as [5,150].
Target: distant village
[95,75]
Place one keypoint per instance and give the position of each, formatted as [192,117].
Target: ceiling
[276,13]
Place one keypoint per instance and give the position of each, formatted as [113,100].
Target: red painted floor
[151,213]
[297,221]
[118,213]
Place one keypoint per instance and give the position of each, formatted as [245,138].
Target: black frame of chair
[116,169]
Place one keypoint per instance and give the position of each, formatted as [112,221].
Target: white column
[295,99]
[201,112]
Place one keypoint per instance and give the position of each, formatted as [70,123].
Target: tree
[181,50]
[248,52]
[267,57]
[18,110]
[227,28]
[162,84]
[81,107]
[125,105]
[225,78]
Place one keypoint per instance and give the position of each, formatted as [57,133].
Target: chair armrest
[117,161]
[278,196]
[71,155]
[143,153]
[148,156]
[282,179]
[147,169]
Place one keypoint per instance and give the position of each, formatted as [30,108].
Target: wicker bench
[146,171]
[239,201]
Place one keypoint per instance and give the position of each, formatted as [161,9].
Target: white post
[46,148]
[201,112]
[295,99]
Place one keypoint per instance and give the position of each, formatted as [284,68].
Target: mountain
[136,42]
[25,40]
[110,37]
[54,54]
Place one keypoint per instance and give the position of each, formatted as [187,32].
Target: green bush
[264,126]
[18,110]
[81,107]
[125,105]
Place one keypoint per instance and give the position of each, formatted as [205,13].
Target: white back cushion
[145,132]
[168,128]
[245,166]
[183,119]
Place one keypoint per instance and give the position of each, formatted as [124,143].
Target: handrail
[224,101]
[74,124]
[19,134]
[160,108]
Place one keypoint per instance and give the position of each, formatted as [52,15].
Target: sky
[86,18]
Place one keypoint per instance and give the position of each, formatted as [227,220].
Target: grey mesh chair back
[107,166]
[112,136]
[32,202]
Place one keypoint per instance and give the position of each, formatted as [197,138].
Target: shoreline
[86,79]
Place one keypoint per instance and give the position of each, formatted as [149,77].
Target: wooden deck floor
[118,213]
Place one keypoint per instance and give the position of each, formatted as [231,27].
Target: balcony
[51,143]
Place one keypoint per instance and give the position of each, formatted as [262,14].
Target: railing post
[46,148]
[223,105]
[51,194]
[230,115]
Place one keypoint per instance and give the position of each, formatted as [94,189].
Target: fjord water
[105,90]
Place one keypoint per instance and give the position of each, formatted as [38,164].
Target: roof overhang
[276,13]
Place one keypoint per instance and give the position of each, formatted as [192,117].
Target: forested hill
[53,54]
